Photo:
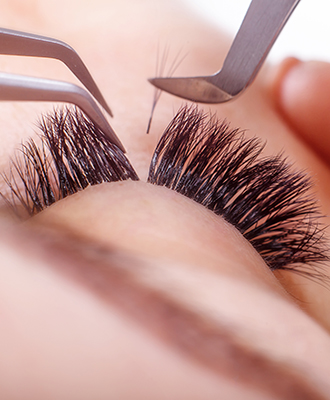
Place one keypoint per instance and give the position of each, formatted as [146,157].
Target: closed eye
[198,157]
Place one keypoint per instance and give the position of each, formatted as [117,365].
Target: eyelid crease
[108,273]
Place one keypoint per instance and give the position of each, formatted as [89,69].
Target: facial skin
[130,291]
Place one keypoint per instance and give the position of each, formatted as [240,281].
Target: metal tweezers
[260,28]
[26,88]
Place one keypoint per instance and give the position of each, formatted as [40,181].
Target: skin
[68,331]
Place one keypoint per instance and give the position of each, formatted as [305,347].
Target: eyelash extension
[160,71]
[73,154]
[270,205]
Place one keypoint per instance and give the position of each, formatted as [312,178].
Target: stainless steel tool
[260,28]
[26,88]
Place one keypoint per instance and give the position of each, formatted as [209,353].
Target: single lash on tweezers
[25,88]
[260,28]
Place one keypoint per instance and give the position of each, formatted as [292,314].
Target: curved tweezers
[261,26]
[27,44]
[26,88]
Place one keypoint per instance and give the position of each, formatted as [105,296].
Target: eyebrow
[113,276]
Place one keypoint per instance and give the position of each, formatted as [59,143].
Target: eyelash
[263,198]
[198,157]
[73,154]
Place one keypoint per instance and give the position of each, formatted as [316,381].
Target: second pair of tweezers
[260,28]
[25,88]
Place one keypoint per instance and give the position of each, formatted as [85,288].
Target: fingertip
[278,75]
[301,91]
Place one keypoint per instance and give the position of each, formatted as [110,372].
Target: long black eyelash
[263,198]
[73,154]
[198,157]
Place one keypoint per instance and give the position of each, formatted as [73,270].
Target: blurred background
[306,35]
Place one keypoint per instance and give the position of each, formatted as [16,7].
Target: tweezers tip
[162,83]
[117,142]
[153,81]
[107,109]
